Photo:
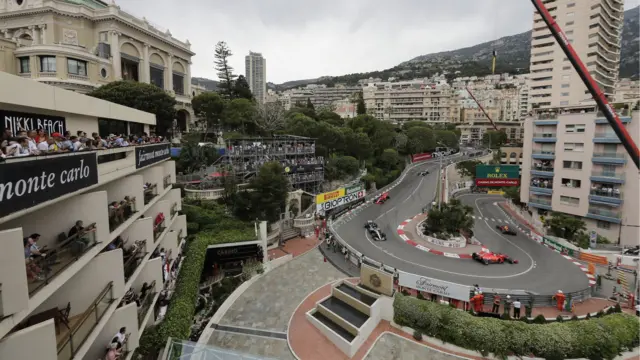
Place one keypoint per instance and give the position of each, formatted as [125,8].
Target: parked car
[493,258]
[505,229]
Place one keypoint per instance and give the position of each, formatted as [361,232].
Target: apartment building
[475,124]
[574,163]
[255,70]
[101,216]
[627,90]
[80,45]
[421,100]
[594,30]
[511,155]
[321,96]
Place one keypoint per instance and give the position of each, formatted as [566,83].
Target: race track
[539,271]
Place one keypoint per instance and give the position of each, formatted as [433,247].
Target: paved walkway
[267,306]
[296,247]
[390,346]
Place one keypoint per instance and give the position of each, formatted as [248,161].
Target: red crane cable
[595,91]
[481,108]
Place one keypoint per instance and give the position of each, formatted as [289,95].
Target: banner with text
[19,121]
[345,199]
[433,286]
[421,157]
[151,154]
[24,184]
[497,175]
[303,168]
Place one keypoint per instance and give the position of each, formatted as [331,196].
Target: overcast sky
[304,39]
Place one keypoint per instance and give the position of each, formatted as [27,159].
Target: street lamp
[441,176]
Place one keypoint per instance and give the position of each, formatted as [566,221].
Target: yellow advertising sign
[324,197]
[495,192]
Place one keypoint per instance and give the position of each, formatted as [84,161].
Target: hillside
[513,57]
[210,85]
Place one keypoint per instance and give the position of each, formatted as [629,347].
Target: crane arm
[595,91]
[481,108]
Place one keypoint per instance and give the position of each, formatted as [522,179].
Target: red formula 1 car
[505,229]
[382,198]
[493,258]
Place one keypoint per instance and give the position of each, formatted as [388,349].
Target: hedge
[216,227]
[596,338]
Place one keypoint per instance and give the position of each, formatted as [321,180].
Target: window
[574,165]
[565,77]
[25,67]
[570,14]
[568,200]
[47,64]
[564,103]
[136,128]
[157,76]
[178,84]
[570,5]
[110,126]
[77,67]
[566,68]
[569,32]
[564,86]
[568,23]
[103,73]
[603,225]
[572,183]
[103,36]
[575,147]
[577,128]
[564,94]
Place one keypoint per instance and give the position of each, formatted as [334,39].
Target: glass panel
[180,349]
[178,84]
[157,77]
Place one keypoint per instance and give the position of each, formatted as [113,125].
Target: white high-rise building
[594,30]
[256,74]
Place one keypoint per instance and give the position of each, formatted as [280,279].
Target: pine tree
[241,89]
[310,104]
[360,108]
[225,71]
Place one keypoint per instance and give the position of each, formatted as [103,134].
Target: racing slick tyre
[474,256]
[485,261]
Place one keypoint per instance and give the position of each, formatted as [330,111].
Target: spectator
[112,352]
[65,142]
[40,136]
[496,304]
[76,229]
[18,147]
[33,145]
[6,135]
[516,309]
[507,305]
[44,142]
[120,337]
[77,144]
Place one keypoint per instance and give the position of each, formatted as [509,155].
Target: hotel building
[574,163]
[70,304]
[80,45]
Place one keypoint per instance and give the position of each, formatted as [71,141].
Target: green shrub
[420,297]
[588,316]
[417,335]
[617,308]
[602,338]
[221,228]
[559,318]
[574,318]
[600,313]
[539,319]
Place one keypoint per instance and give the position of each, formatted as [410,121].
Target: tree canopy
[141,96]
[452,218]
[565,226]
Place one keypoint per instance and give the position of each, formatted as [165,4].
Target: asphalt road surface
[540,270]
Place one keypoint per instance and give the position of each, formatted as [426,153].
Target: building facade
[256,73]
[594,30]
[80,45]
[476,125]
[421,100]
[103,216]
[321,96]
[627,90]
[574,163]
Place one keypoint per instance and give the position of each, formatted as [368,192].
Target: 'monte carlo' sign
[18,121]
[24,184]
[434,286]
[151,154]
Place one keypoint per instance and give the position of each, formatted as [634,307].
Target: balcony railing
[41,270]
[133,258]
[547,116]
[606,213]
[544,152]
[158,229]
[69,343]
[542,185]
[174,209]
[620,112]
[145,304]
[119,212]
[544,135]
[543,168]
[605,193]
[609,174]
[609,155]
[150,192]
[541,201]
[166,181]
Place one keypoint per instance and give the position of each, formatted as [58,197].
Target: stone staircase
[288,234]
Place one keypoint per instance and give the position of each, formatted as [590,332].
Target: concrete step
[290,234]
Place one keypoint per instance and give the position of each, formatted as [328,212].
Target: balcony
[41,270]
[543,154]
[544,137]
[611,216]
[543,171]
[539,187]
[158,226]
[623,114]
[150,192]
[174,210]
[132,258]
[540,203]
[166,181]
[609,158]
[146,301]
[607,177]
[121,211]
[546,119]
[606,137]
[81,326]
[606,197]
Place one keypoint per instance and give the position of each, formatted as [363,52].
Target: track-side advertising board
[497,175]
[342,196]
